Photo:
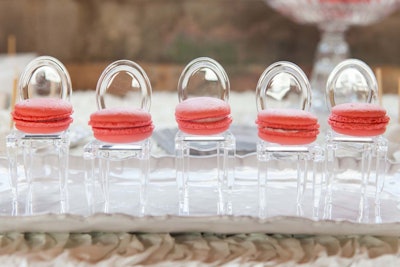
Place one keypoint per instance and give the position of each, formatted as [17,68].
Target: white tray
[162,207]
[173,224]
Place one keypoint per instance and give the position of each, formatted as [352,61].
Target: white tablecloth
[195,249]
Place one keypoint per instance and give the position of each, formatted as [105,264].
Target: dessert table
[163,238]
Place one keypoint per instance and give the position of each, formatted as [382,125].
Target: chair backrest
[45,76]
[283,85]
[351,81]
[138,83]
[203,77]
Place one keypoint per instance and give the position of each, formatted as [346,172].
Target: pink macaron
[287,126]
[203,115]
[42,115]
[118,125]
[358,119]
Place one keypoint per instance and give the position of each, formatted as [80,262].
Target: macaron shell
[123,135]
[359,132]
[203,116]
[209,128]
[287,140]
[43,127]
[356,110]
[202,107]
[44,118]
[294,118]
[42,109]
[120,118]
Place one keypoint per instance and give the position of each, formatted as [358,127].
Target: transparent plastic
[353,81]
[123,165]
[204,77]
[36,161]
[284,85]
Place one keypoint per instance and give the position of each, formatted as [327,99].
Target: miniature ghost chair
[121,150]
[288,157]
[204,146]
[38,148]
[357,125]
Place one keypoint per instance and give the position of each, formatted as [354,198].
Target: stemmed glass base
[332,49]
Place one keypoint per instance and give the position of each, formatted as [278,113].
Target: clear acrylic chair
[352,81]
[286,167]
[37,161]
[122,165]
[204,161]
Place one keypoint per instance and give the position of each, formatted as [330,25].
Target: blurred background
[245,36]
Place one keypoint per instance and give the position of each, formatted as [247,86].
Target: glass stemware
[333,18]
